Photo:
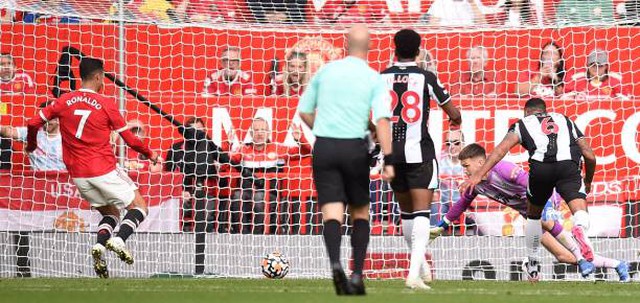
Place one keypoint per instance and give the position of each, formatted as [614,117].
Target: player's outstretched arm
[132,141]
[589,162]
[453,112]
[509,141]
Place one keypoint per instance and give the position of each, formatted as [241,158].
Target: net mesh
[177,55]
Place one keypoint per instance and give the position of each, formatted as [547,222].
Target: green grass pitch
[301,290]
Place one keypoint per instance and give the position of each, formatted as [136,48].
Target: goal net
[235,68]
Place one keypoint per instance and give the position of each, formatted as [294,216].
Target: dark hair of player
[90,66]
[193,120]
[407,43]
[471,151]
[537,104]
[45,104]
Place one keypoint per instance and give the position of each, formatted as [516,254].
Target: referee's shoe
[343,286]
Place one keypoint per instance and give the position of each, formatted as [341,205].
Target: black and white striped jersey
[411,90]
[549,137]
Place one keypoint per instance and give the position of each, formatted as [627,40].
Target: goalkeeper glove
[435,232]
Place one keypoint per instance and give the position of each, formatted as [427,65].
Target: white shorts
[114,188]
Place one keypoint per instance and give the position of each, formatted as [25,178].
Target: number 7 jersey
[86,121]
[411,90]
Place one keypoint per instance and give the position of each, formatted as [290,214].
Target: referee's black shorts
[341,171]
[564,176]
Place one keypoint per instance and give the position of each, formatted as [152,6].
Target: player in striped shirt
[414,157]
[556,147]
[506,183]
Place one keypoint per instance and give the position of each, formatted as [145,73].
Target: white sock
[419,240]
[600,261]
[407,231]
[581,219]
[533,232]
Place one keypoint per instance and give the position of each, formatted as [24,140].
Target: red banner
[44,191]
[613,127]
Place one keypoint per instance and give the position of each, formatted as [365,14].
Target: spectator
[451,172]
[48,155]
[522,13]
[576,12]
[197,159]
[11,80]
[280,10]
[134,160]
[261,156]
[7,13]
[229,79]
[548,79]
[598,82]
[426,61]
[629,11]
[208,11]
[454,13]
[477,81]
[295,77]
[352,11]
[57,6]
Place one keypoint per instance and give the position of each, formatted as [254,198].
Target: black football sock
[359,243]
[332,239]
[105,229]
[131,221]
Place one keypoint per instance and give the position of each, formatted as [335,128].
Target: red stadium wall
[168,61]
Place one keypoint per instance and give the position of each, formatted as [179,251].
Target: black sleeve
[435,89]
[219,155]
[169,163]
[5,153]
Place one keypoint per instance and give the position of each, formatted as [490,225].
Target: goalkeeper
[506,183]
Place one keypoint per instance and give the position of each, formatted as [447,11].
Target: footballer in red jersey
[12,81]
[87,119]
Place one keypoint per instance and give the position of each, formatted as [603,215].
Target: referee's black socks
[332,239]
[359,243]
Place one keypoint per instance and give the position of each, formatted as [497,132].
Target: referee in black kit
[337,105]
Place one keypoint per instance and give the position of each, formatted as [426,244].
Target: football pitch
[294,290]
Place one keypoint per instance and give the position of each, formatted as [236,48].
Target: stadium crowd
[511,13]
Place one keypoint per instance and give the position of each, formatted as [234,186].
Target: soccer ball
[275,266]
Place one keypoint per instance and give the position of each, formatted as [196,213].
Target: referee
[337,106]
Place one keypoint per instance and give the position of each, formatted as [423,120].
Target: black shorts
[564,176]
[415,176]
[341,170]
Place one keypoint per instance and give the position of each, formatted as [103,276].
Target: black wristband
[388,159]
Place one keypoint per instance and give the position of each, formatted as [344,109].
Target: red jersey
[465,85]
[271,156]
[86,121]
[281,89]
[216,84]
[609,88]
[545,89]
[21,83]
